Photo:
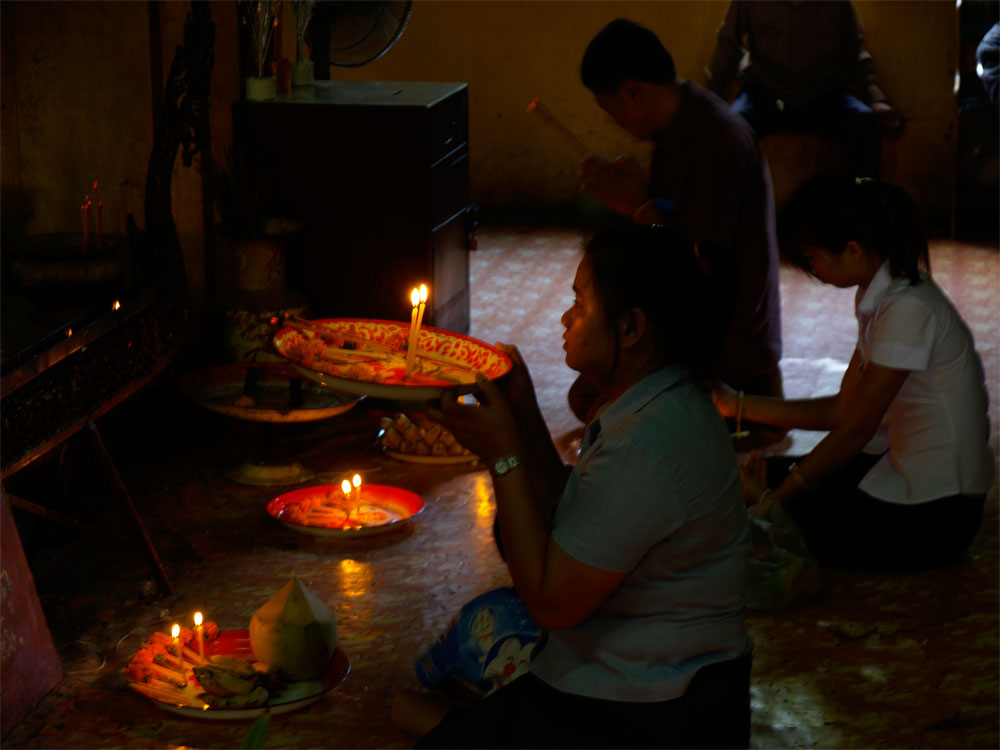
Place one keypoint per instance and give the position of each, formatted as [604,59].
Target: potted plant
[261,18]
[302,70]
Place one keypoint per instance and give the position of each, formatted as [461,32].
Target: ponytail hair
[657,270]
[830,210]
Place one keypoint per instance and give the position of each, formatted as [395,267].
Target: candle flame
[69,332]
[531,107]
[175,631]
[356,480]
[116,305]
[197,619]
[423,292]
[415,297]
[345,487]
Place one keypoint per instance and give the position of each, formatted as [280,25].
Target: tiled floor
[881,660]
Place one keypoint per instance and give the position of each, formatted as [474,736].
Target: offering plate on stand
[275,395]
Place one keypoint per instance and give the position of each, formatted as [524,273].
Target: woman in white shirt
[900,480]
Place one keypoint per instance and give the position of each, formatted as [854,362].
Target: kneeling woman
[900,480]
[635,561]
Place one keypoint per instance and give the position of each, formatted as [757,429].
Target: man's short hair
[625,51]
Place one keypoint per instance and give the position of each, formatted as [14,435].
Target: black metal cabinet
[378,174]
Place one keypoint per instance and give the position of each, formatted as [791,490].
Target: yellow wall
[77,99]
[512,51]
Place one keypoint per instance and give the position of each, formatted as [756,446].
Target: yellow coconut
[294,631]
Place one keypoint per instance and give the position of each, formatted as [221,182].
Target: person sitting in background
[900,480]
[803,65]
[707,178]
[988,63]
[634,562]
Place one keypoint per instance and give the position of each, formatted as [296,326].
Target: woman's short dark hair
[657,270]
[830,210]
[625,51]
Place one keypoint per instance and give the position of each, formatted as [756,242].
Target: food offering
[369,357]
[178,671]
[345,510]
[222,675]
[419,441]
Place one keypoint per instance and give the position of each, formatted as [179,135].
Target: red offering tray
[383,509]
[368,357]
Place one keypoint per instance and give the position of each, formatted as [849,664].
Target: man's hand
[620,185]
[890,122]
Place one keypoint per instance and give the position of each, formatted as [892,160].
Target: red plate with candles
[331,511]
[157,676]
[368,357]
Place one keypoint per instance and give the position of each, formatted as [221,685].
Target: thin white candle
[356,481]
[175,631]
[345,487]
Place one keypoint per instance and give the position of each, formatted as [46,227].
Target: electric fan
[352,33]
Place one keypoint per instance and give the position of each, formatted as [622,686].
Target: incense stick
[547,114]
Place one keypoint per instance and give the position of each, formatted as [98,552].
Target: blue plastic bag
[486,646]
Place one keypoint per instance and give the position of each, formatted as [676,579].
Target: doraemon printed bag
[487,644]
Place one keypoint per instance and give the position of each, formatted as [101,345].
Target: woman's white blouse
[937,427]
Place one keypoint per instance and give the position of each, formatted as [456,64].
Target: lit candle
[356,481]
[411,345]
[201,634]
[175,631]
[420,316]
[345,487]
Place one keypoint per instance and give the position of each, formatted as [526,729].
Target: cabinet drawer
[450,186]
[448,125]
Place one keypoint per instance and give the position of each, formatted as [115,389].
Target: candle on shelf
[356,481]
[411,341]
[98,215]
[175,632]
[83,217]
[200,630]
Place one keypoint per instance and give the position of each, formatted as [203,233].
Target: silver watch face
[502,465]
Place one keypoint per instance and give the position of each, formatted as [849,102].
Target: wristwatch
[504,464]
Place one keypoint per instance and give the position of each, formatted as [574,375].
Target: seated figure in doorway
[803,65]
[707,179]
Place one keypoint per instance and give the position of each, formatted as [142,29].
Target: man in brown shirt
[707,178]
[802,64]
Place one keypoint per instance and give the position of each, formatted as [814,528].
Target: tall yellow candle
[420,319]
[411,344]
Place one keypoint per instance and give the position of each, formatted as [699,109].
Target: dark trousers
[838,115]
[847,528]
[528,713]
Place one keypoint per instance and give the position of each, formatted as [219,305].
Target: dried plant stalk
[262,18]
[303,12]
